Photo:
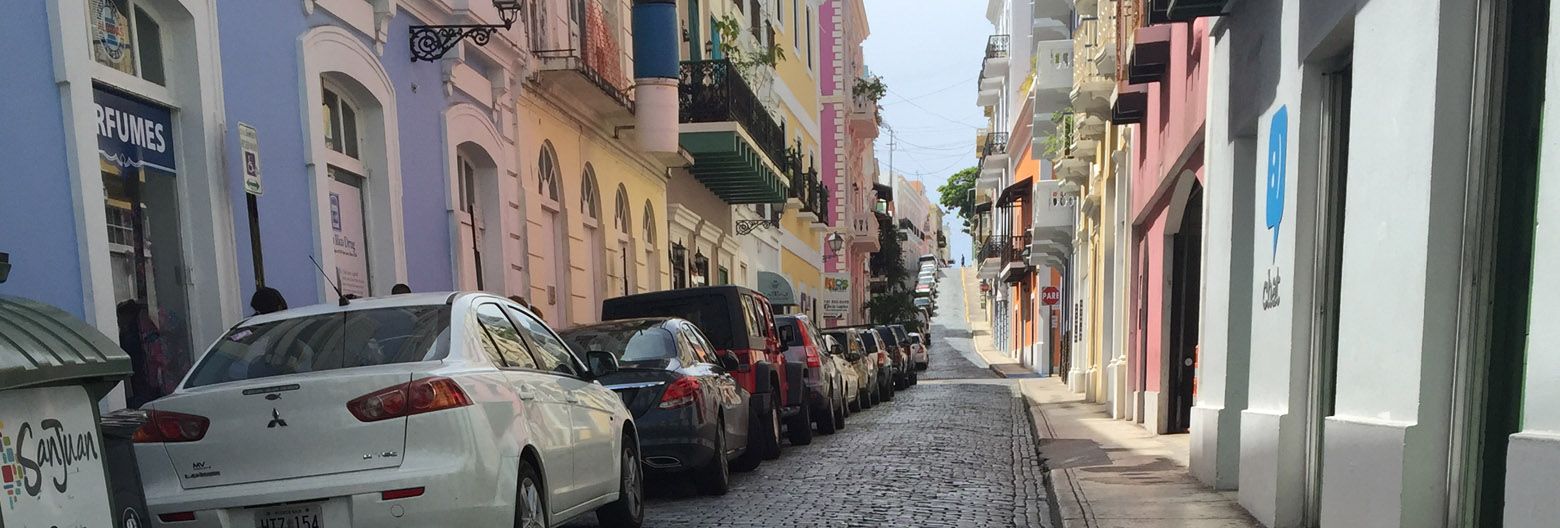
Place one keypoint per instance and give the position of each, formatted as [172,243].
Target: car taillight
[812,358]
[171,427]
[416,397]
[680,393]
[744,360]
[882,360]
[176,517]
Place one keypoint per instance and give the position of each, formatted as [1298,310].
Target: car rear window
[315,343]
[630,341]
[796,330]
[887,336]
[868,341]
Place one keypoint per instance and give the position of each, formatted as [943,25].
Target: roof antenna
[341,297]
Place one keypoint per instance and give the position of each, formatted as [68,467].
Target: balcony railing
[1005,249]
[712,91]
[997,46]
[596,55]
[996,143]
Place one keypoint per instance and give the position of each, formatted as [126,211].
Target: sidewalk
[1107,473]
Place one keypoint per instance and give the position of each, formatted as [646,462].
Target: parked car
[825,401]
[903,338]
[918,355]
[691,414]
[850,378]
[885,364]
[898,355]
[420,405]
[863,361]
[740,321]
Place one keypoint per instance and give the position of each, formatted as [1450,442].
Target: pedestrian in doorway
[399,289]
[267,300]
[140,340]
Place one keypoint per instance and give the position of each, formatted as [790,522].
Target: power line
[935,92]
[929,112]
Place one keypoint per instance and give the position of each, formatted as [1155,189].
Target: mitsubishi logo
[276,420]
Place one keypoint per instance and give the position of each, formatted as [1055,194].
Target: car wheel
[888,391]
[715,477]
[826,421]
[855,406]
[629,510]
[913,377]
[839,415]
[800,430]
[772,436]
[530,499]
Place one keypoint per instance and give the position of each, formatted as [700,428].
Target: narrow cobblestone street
[955,450]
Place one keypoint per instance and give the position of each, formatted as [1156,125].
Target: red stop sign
[1050,295]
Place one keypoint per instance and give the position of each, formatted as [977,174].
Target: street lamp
[430,43]
[836,242]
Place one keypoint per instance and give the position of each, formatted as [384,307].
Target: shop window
[341,123]
[127,38]
[142,220]
[349,236]
[701,269]
[678,260]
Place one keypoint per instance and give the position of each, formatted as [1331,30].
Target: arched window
[649,227]
[590,193]
[547,172]
[620,215]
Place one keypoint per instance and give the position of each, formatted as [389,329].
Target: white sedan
[448,409]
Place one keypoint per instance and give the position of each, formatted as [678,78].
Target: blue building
[138,126]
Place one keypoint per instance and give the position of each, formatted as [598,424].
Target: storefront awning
[776,288]
[1017,191]
[41,344]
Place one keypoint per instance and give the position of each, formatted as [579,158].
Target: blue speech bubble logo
[1277,163]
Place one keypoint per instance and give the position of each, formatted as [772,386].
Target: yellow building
[764,165]
[596,202]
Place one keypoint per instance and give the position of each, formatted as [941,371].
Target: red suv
[738,322]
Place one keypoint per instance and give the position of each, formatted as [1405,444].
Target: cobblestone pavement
[954,452]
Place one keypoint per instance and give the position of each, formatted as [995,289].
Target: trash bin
[53,462]
[124,476]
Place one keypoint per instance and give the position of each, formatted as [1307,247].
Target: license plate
[296,516]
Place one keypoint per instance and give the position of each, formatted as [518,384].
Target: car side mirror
[729,362]
[601,363]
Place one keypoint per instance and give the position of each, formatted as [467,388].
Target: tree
[956,195]
[896,302]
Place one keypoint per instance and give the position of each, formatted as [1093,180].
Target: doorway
[1489,379]
[1327,270]
[1185,293]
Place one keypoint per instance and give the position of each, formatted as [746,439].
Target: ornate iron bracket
[430,43]
[748,226]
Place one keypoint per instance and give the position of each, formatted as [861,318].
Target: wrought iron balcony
[996,144]
[712,91]
[592,64]
[997,46]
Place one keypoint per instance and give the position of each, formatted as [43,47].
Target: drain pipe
[655,74]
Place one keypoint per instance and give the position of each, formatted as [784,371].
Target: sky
[928,53]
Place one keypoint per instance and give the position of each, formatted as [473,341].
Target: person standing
[267,300]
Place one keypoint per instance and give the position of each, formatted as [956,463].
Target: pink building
[850,125]
[1163,92]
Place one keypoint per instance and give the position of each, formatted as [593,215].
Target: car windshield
[316,343]
[641,341]
[870,343]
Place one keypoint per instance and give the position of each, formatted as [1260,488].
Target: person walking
[399,289]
